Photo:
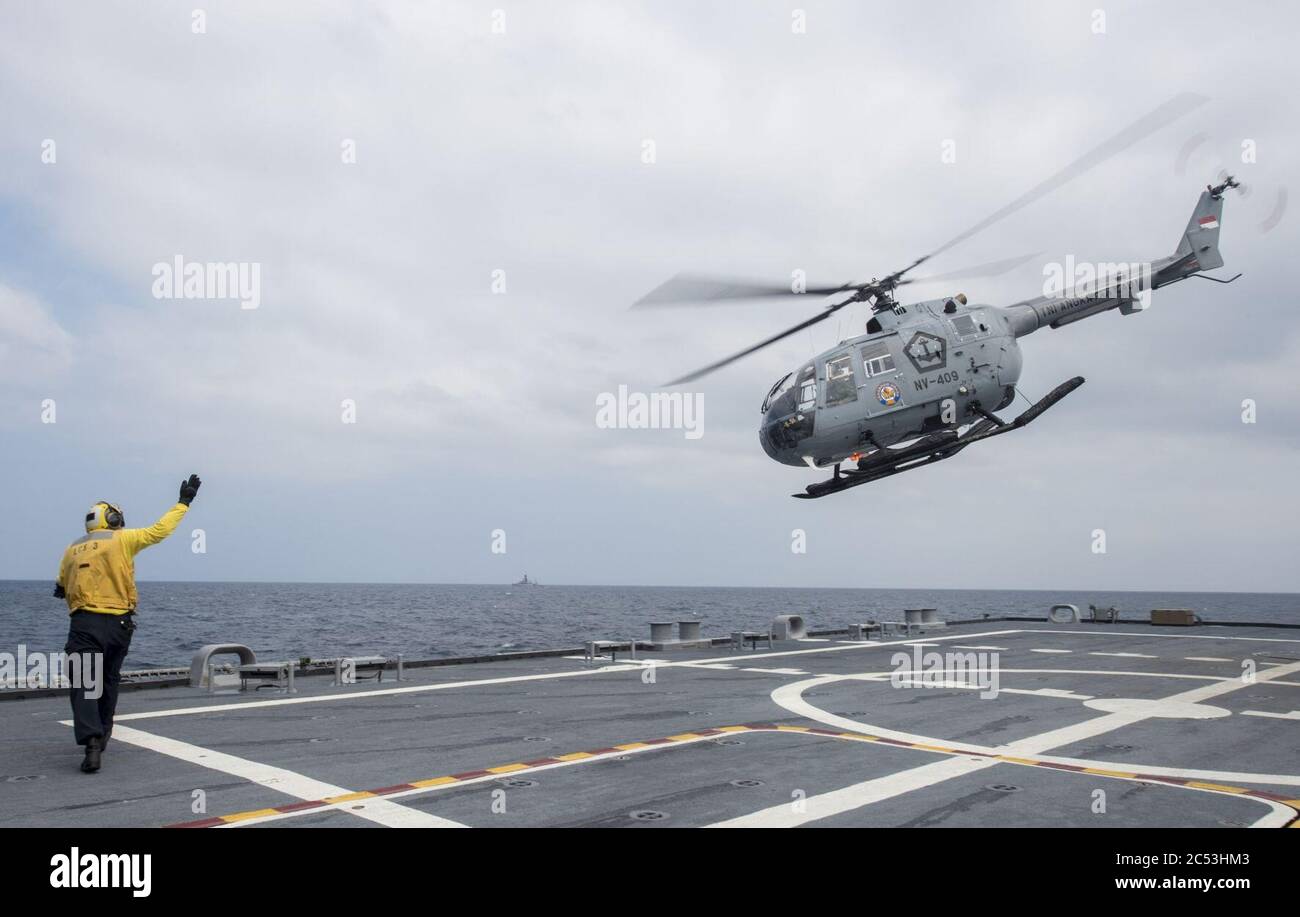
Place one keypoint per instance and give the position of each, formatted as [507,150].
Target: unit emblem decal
[888,394]
[927,352]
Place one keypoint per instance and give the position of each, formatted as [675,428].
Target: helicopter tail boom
[1129,288]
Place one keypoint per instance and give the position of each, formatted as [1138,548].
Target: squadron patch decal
[888,394]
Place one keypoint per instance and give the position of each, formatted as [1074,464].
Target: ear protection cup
[113,517]
[104,515]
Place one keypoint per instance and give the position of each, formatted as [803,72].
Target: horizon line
[498,584]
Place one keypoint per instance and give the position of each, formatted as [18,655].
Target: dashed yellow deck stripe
[577,756]
[349,797]
[244,816]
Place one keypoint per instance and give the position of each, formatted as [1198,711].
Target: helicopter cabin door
[839,391]
[882,383]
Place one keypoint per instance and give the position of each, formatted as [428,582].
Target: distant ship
[527,582]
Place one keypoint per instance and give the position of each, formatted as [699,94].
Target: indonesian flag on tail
[1209,222]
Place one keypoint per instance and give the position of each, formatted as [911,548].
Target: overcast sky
[523,152]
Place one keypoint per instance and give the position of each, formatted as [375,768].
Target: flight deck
[1085,725]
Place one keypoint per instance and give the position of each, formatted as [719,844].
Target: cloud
[34,348]
[521,152]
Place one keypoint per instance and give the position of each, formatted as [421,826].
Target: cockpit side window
[840,384]
[876,359]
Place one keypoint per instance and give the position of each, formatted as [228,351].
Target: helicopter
[926,379]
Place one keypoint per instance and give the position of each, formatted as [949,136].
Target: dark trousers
[90,632]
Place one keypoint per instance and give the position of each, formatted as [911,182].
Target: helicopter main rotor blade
[808,323]
[685,288]
[988,269]
[1148,124]
[699,289]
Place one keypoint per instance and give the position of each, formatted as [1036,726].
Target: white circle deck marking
[1174,710]
[790,697]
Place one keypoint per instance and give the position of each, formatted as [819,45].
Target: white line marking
[1088,729]
[616,753]
[790,697]
[858,795]
[1293,715]
[625,667]
[994,648]
[1051,651]
[926,682]
[777,671]
[1048,692]
[380,810]
[1142,708]
[1126,655]
[707,665]
[1207,659]
[1149,636]
[487,778]
[512,679]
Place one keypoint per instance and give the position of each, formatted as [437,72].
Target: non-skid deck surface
[1090,726]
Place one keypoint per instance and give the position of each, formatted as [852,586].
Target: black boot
[91,762]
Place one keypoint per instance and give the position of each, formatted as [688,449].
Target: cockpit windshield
[783,385]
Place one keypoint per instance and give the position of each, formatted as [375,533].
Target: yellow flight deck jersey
[98,571]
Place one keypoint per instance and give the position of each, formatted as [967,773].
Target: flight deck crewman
[97,577]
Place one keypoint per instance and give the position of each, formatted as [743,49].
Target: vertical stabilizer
[1201,238]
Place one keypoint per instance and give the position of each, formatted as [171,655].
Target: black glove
[58,591]
[190,489]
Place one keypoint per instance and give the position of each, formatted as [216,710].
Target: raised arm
[136,540]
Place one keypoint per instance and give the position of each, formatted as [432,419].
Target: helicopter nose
[782,438]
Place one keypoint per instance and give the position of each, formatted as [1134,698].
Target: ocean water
[291,620]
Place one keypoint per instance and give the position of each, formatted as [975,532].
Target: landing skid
[933,448]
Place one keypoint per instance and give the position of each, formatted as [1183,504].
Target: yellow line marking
[349,797]
[854,736]
[244,816]
[1217,786]
[434,781]
[1018,760]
